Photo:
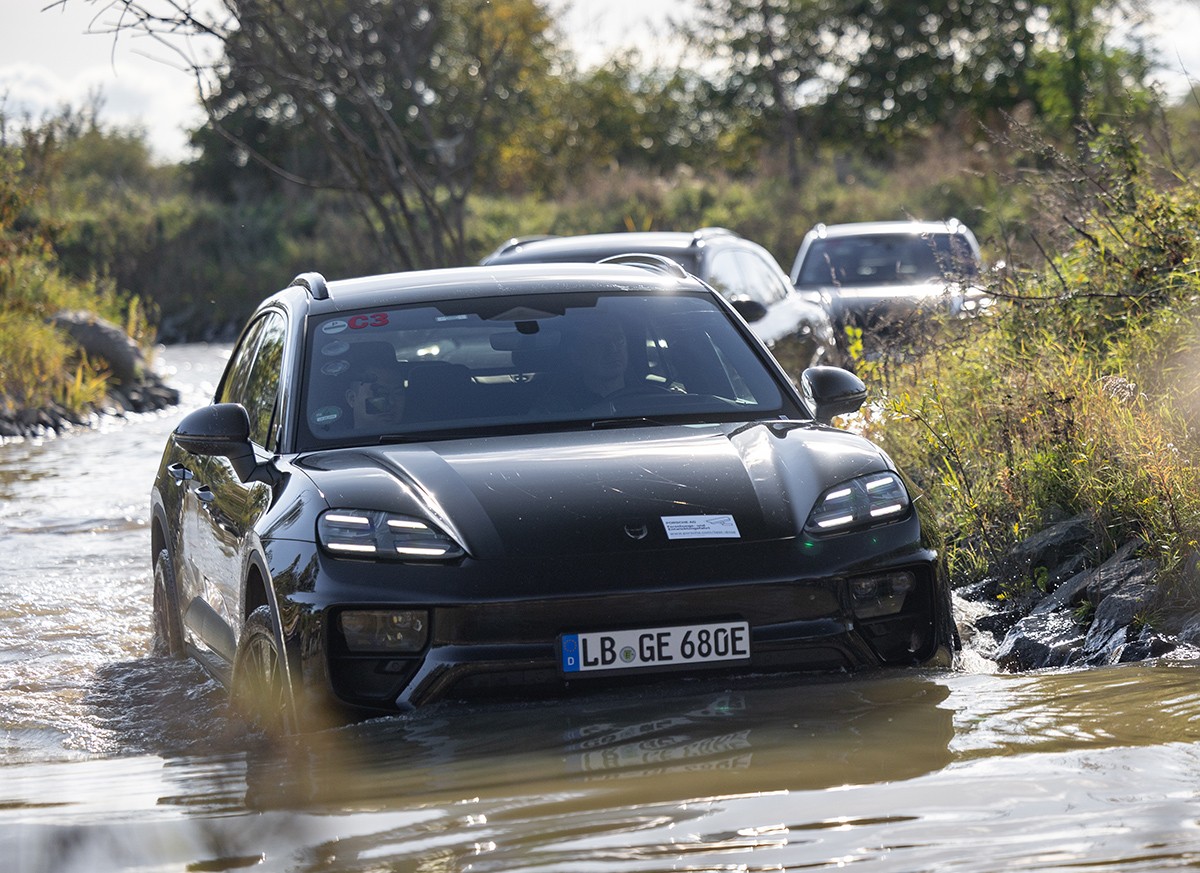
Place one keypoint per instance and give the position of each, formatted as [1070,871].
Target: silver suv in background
[880,273]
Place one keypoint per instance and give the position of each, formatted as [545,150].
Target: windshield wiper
[422,436]
[632,421]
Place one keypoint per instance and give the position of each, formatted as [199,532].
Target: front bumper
[509,649]
[497,636]
[882,307]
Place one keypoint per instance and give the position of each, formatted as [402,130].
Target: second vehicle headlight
[873,499]
[351,533]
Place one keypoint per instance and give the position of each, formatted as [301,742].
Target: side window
[254,375]
[764,281]
[725,275]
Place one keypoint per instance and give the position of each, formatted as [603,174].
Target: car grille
[539,620]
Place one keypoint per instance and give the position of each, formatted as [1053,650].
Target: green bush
[39,365]
[1076,394]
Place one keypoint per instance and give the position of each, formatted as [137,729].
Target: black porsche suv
[526,480]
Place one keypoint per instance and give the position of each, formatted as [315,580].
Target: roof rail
[314,283]
[653,263]
[703,233]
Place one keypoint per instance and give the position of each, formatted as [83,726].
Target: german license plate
[657,647]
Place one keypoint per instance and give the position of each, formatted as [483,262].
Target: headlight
[349,533]
[868,500]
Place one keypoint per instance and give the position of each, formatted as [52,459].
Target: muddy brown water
[113,760]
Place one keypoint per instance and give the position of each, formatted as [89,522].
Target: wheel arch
[256,590]
[159,539]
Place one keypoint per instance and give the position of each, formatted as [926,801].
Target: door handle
[179,473]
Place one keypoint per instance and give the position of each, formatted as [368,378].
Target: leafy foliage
[877,73]
[1077,393]
[40,366]
[403,106]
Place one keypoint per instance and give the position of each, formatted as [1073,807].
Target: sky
[48,59]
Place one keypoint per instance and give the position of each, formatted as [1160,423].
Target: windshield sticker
[336,326]
[327,415]
[698,527]
[335,349]
[375,319]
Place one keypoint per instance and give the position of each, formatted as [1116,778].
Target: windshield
[512,364]
[887,259]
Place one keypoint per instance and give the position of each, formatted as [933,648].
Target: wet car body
[497,553]
[885,273]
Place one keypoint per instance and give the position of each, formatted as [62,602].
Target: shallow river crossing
[113,760]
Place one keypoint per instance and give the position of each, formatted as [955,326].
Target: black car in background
[878,274]
[799,332]
[515,481]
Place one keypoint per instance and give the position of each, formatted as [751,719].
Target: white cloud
[595,31]
[154,104]
[48,60]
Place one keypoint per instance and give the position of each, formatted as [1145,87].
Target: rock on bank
[1055,602]
[133,385]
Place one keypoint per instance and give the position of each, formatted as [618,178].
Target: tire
[261,691]
[166,639]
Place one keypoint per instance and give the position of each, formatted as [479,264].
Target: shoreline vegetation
[122,381]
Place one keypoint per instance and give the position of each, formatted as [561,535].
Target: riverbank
[1056,600]
[151,396]
[129,383]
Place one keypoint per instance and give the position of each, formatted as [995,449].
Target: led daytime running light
[873,499]
[384,536]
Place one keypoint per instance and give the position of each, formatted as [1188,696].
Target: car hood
[602,491]
[898,292]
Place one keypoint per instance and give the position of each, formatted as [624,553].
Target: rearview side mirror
[750,310]
[222,430]
[832,391]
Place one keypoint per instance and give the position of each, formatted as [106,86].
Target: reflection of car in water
[658,744]
[883,272]
[695,515]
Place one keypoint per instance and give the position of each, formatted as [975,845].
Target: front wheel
[261,691]
[166,625]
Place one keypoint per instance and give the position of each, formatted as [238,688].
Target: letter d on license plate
[657,647]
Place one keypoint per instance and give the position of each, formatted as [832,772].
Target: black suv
[527,480]
[798,331]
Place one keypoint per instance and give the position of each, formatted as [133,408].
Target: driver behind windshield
[376,397]
[597,359]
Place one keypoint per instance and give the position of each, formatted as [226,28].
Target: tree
[881,70]
[397,103]
[1079,76]
[774,56]
[914,64]
[619,114]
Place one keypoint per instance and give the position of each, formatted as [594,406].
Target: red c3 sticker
[376,319]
